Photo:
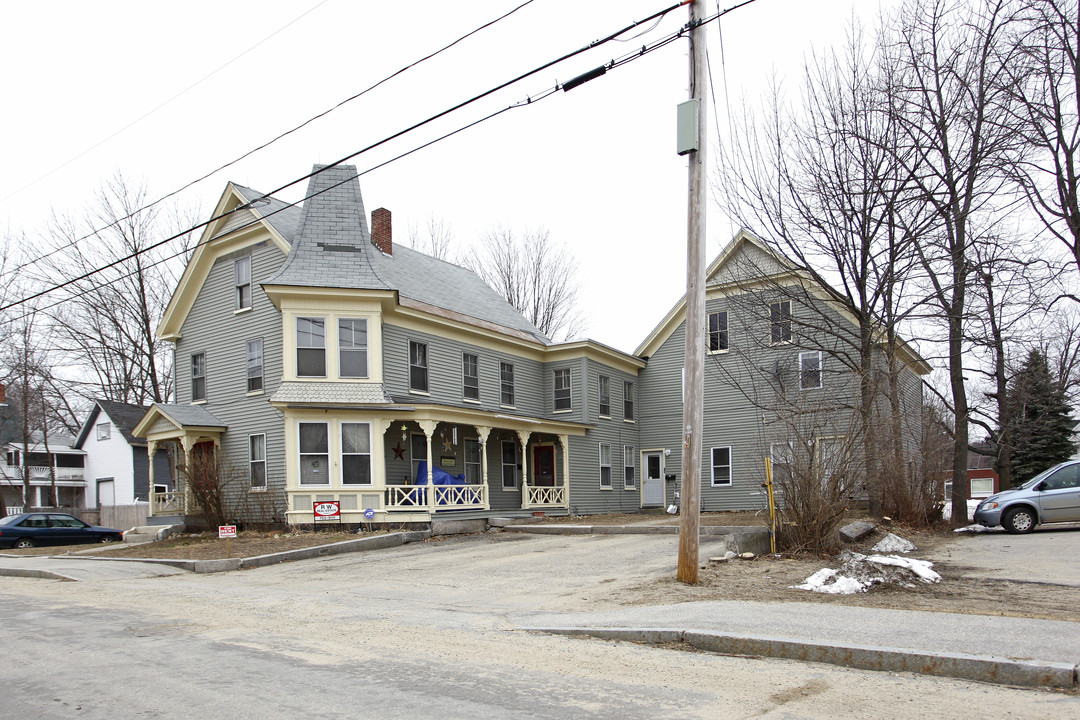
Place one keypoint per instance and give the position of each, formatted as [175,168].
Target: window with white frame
[506,384]
[254,365]
[198,377]
[781,458]
[509,465]
[780,322]
[605,396]
[470,376]
[721,466]
[242,267]
[104,431]
[718,334]
[314,453]
[473,467]
[257,461]
[352,348]
[418,366]
[310,347]
[355,453]
[629,468]
[810,370]
[605,466]
[561,389]
[628,400]
[417,452]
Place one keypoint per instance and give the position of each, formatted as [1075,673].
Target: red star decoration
[399,452]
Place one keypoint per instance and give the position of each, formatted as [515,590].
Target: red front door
[544,466]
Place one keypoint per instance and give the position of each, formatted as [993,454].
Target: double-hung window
[562,399]
[418,366]
[257,460]
[629,474]
[310,347]
[810,370]
[605,466]
[718,335]
[242,267]
[352,348]
[198,377]
[780,322]
[470,376]
[509,465]
[721,466]
[628,400]
[506,384]
[355,453]
[314,453]
[605,396]
[473,466]
[254,365]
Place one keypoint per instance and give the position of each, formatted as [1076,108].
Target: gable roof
[180,416]
[333,249]
[125,416]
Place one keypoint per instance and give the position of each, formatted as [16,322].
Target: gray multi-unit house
[322,362]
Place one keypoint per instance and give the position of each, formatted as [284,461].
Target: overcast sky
[165,93]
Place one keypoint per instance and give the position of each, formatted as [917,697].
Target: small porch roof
[171,422]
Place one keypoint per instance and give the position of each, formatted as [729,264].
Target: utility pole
[694,381]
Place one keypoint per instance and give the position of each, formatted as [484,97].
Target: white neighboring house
[62,460]
[116,468]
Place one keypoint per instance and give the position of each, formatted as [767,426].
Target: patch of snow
[919,567]
[893,544]
[977,529]
[858,573]
[829,581]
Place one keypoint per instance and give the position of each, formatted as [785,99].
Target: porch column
[482,433]
[523,436]
[428,426]
[151,451]
[564,440]
[188,444]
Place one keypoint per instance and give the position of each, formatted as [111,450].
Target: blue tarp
[438,476]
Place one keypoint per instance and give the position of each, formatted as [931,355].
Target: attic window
[104,431]
[243,282]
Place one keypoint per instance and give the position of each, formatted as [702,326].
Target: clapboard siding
[212,326]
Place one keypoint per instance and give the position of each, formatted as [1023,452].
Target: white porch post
[151,451]
[188,444]
[428,426]
[523,436]
[564,440]
[482,433]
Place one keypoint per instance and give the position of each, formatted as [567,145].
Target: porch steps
[151,533]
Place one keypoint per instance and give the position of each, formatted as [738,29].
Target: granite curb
[979,668]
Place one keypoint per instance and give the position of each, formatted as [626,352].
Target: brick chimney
[381,234]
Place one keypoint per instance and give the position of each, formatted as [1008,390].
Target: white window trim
[731,467]
[104,431]
[600,397]
[781,341]
[199,400]
[708,323]
[820,370]
[600,465]
[502,466]
[569,390]
[370,455]
[300,455]
[464,397]
[262,367]
[251,464]
[426,366]
[633,401]
[366,349]
[298,347]
[513,386]
[237,307]
[628,454]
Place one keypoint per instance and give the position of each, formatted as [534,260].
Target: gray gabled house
[323,362]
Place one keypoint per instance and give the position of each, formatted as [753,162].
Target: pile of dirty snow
[858,572]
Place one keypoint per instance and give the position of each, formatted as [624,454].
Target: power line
[258,148]
[147,114]
[614,63]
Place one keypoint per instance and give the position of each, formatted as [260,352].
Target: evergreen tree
[1041,418]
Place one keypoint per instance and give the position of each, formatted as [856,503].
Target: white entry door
[106,492]
[652,487]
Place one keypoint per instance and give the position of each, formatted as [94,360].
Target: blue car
[33,529]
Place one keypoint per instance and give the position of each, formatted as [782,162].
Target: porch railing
[546,496]
[444,497]
[168,503]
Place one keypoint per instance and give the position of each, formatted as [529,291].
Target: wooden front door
[544,466]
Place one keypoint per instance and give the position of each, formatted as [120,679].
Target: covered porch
[413,463]
[188,427]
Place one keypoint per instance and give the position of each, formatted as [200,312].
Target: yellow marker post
[772,505]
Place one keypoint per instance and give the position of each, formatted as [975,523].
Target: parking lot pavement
[57,568]
[1046,555]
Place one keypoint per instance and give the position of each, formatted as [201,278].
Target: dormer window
[310,347]
[243,282]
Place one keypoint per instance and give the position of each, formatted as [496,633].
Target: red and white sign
[327,509]
[226,531]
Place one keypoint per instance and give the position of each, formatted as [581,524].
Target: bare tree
[947,95]
[1045,77]
[107,321]
[535,275]
[435,239]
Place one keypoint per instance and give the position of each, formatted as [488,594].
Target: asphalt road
[430,630]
